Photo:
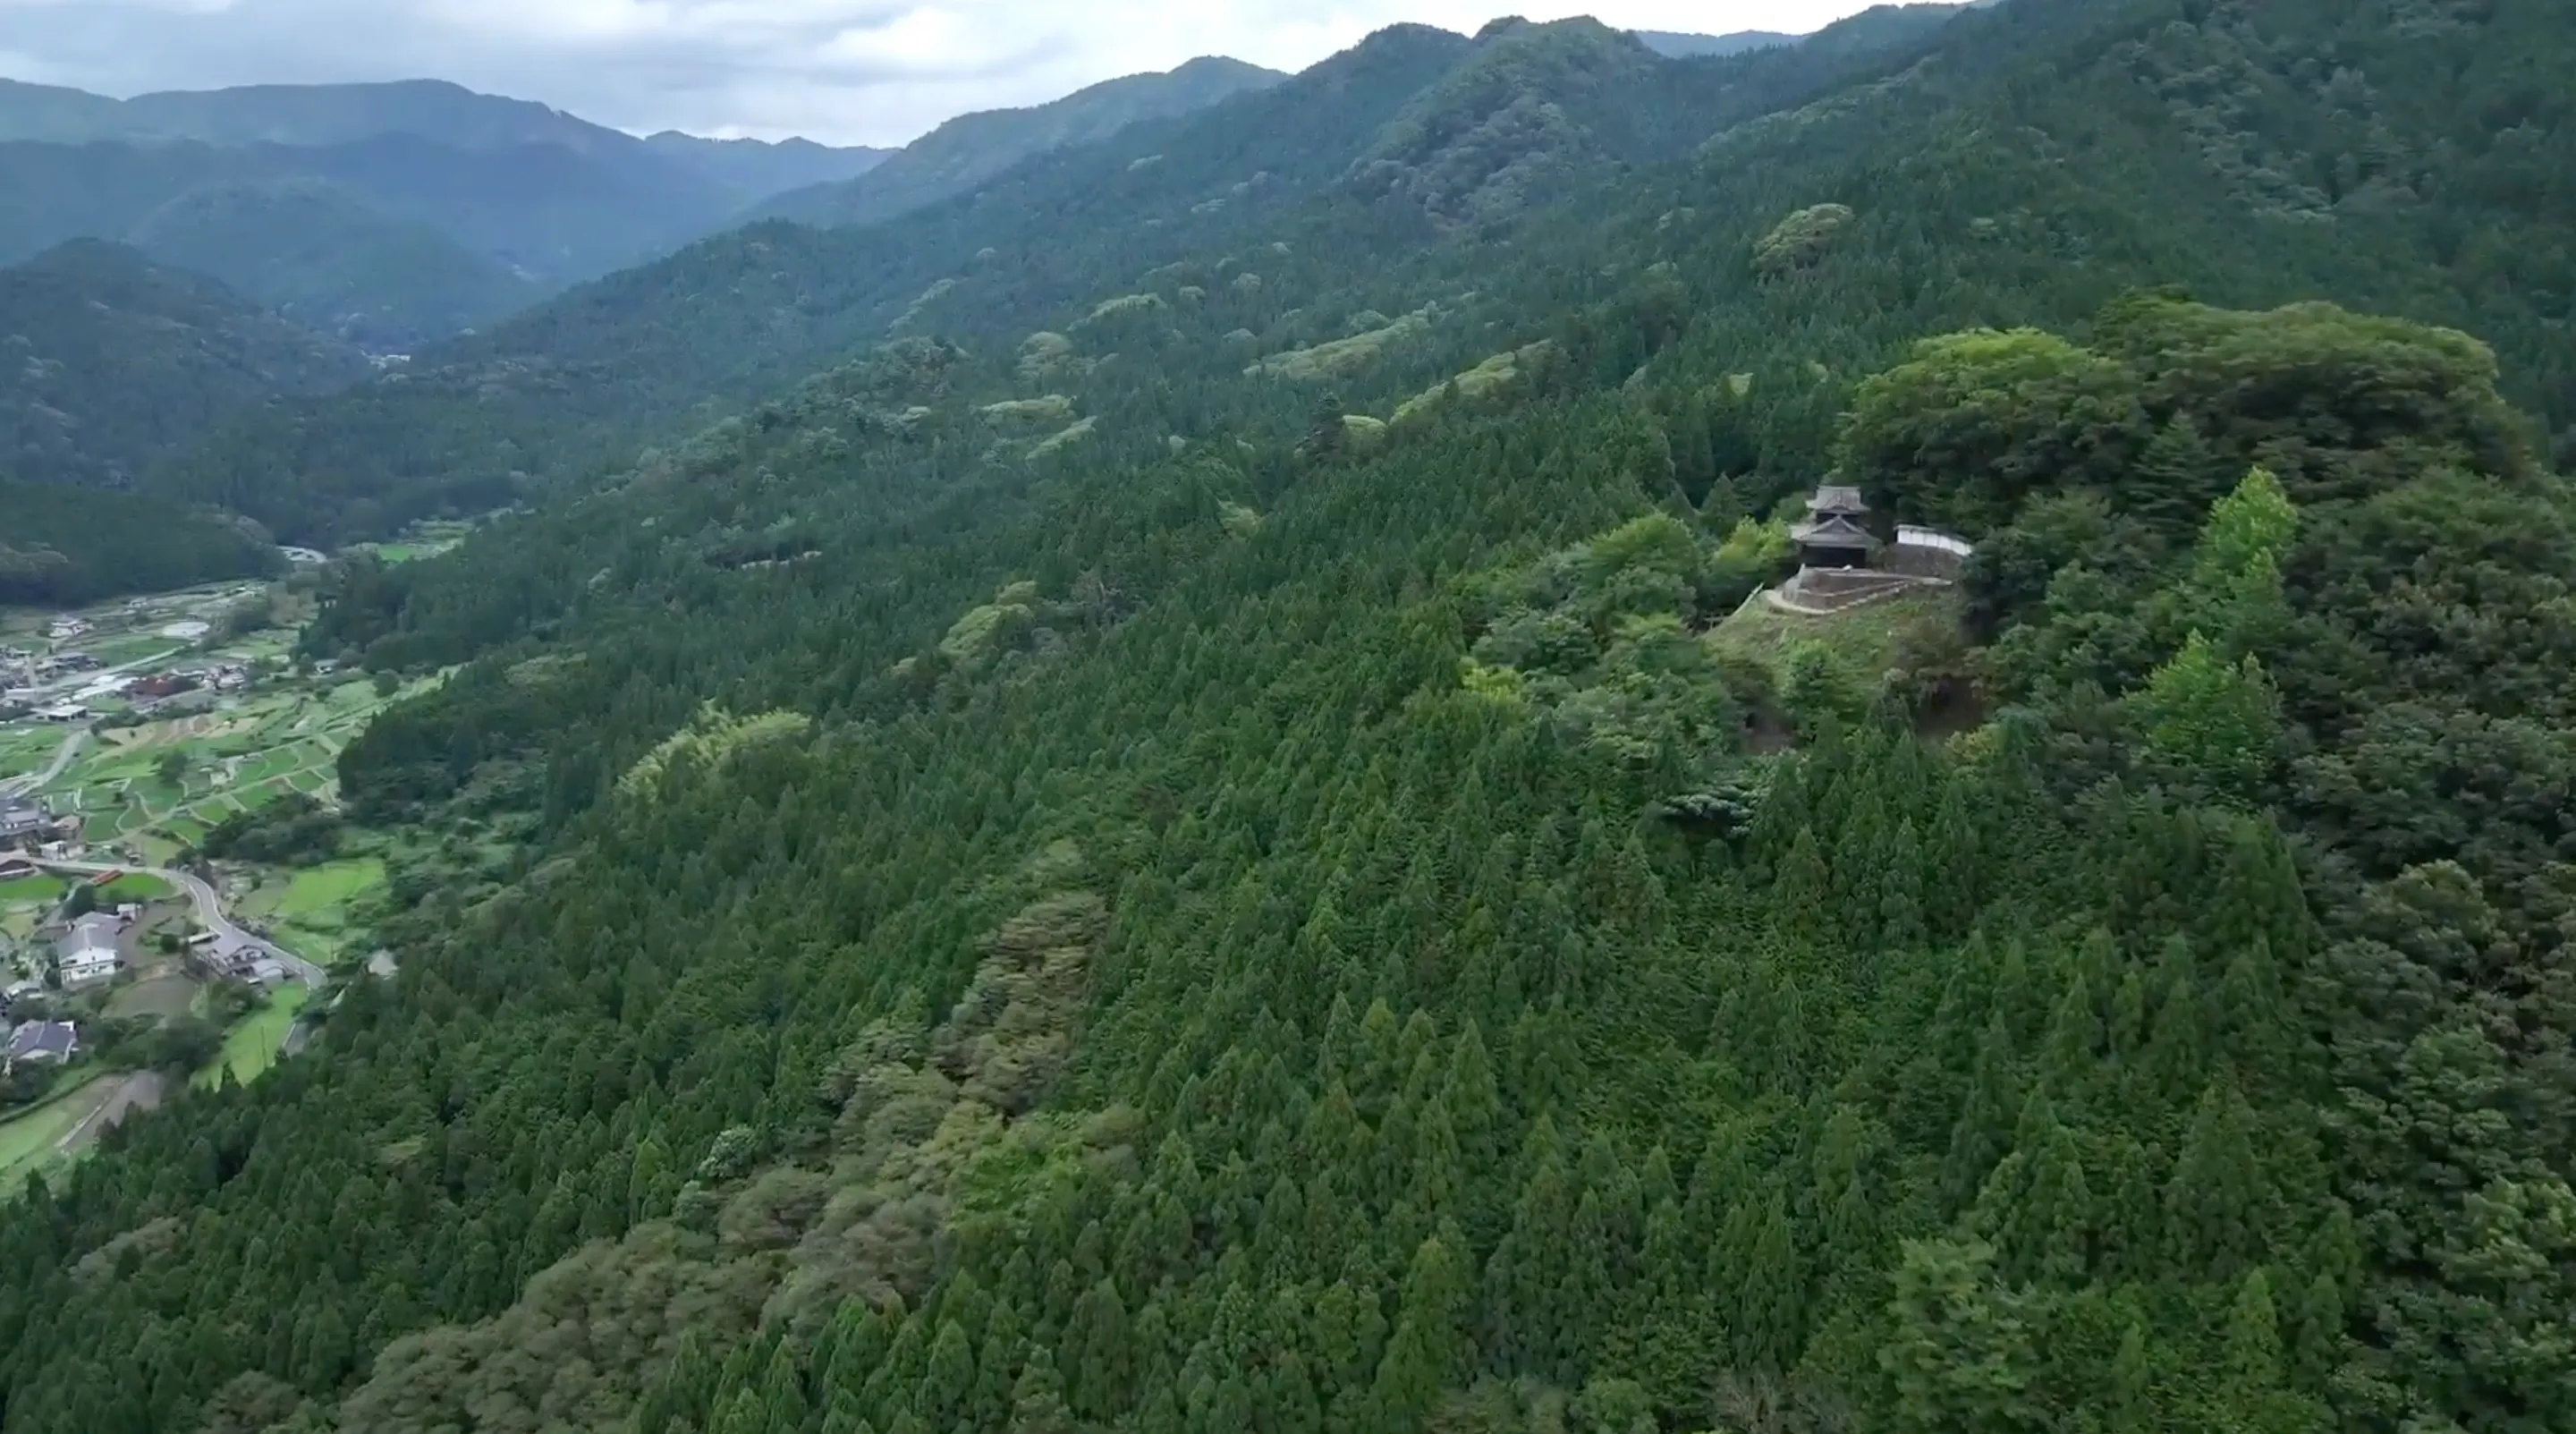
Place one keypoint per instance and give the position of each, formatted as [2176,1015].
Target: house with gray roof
[41,1043]
[22,823]
[88,954]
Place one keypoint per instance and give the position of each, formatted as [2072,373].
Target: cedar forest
[1149,830]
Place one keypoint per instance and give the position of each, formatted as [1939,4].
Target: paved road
[77,680]
[210,914]
[19,786]
[37,781]
[139,1091]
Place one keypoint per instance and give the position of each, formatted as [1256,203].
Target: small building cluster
[26,826]
[28,678]
[1843,562]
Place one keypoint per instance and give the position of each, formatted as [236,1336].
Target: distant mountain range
[1683,47]
[1420,137]
[388,214]
[395,218]
[392,215]
[973,148]
[765,166]
[308,116]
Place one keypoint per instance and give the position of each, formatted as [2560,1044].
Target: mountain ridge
[963,152]
[114,356]
[1680,45]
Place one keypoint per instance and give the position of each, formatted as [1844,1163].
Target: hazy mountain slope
[54,114]
[270,228]
[394,213]
[1684,46]
[757,168]
[327,260]
[425,232]
[301,115]
[111,359]
[53,192]
[556,214]
[971,149]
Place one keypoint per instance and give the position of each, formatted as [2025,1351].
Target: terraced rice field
[234,760]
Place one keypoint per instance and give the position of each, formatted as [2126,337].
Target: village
[55,676]
[133,962]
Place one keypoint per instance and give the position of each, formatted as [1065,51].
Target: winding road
[210,914]
[36,781]
[19,786]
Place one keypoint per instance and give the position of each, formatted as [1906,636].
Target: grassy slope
[251,1047]
[1862,641]
[27,1141]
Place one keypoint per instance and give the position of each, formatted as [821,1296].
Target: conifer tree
[1983,1132]
[1770,1305]
[2219,1203]
[2130,1412]
[1102,1357]
[1958,1354]
[1037,1398]
[1428,1351]
[2048,1215]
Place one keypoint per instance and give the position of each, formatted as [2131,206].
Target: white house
[87,954]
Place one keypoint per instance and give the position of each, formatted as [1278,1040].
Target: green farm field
[235,759]
[251,1047]
[135,887]
[173,993]
[312,911]
[32,1140]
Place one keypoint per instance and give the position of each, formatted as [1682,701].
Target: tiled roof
[49,1038]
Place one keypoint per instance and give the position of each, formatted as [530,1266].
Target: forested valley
[1176,830]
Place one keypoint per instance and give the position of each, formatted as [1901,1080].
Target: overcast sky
[843,71]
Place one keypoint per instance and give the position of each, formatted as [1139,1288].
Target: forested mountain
[319,116]
[1200,838]
[765,167]
[371,277]
[1878,26]
[1368,159]
[107,359]
[63,547]
[969,150]
[1682,47]
[391,215]
[299,116]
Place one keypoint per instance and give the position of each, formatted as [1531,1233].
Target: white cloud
[846,71]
